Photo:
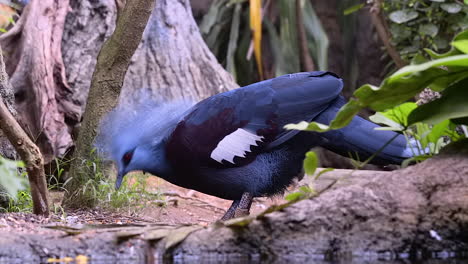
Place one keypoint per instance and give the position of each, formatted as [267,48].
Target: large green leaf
[453,104]
[400,113]
[461,45]
[458,60]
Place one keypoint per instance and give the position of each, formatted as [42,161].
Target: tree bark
[87,25]
[28,151]
[35,65]
[107,80]
[6,94]
[173,61]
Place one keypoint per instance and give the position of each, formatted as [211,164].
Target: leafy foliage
[10,179]
[99,191]
[447,73]
[226,29]
[304,192]
[419,24]
[21,202]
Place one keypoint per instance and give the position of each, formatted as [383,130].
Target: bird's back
[232,128]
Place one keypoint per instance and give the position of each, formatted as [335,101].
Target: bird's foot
[231,211]
[240,212]
[239,208]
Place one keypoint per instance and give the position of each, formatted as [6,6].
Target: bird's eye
[127,157]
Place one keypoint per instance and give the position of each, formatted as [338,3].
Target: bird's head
[134,136]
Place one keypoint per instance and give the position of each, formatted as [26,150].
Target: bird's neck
[159,165]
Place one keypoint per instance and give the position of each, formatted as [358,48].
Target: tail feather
[360,138]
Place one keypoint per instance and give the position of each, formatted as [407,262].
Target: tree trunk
[34,62]
[173,58]
[171,62]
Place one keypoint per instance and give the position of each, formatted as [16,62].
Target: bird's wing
[231,128]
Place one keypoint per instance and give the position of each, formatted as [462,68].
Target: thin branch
[27,150]
[384,33]
[307,63]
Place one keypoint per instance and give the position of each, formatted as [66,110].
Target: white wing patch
[235,144]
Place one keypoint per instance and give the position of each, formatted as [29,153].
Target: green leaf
[429,29]
[353,9]
[445,81]
[438,131]
[453,51]
[295,196]
[312,126]
[458,60]
[379,118]
[461,45]
[403,16]
[400,113]
[451,8]
[453,104]
[304,192]
[323,172]
[310,163]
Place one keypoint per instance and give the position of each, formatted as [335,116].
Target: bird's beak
[119,179]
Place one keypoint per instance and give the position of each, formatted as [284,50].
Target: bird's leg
[230,212]
[243,209]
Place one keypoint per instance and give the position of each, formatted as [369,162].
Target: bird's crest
[128,126]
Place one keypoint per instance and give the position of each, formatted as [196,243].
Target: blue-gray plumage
[233,145]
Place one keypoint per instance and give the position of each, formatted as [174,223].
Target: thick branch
[28,151]
[307,64]
[112,64]
[384,33]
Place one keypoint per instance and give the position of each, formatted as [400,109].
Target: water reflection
[243,260]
